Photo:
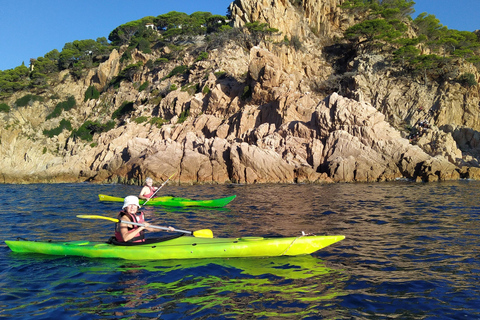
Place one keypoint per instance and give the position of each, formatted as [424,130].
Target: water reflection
[238,288]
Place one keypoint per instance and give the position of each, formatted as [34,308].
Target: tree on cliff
[372,33]
[124,33]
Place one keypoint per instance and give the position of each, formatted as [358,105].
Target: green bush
[144,45]
[183,116]
[155,101]
[4,107]
[149,64]
[64,124]
[89,128]
[65,105]
[91,93]
[140,119]
[178,70]
[124,109]
[160,61]
[202,56]
[467,80]
[191,89]
[157,121]
[206,90]
[27,99]
[143,86]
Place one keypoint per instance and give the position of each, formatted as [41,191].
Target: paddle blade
[92,216]
[204,233]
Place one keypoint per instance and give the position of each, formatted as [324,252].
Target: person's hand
[171,228]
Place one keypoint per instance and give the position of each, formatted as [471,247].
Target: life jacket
[152,191]
[137,218]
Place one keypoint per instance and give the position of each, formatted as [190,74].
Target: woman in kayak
[148,190]
[125,232]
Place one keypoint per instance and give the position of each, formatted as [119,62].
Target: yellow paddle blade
[204,233]
[92,216]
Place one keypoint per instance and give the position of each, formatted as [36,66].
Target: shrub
[202,56]
[183,116]
[143,86]
[140,119]
[157,121]
[191,89]
[64,124]
[149,64]
[124,109]
[467,80]
[65,105]
[27,99]
[4,107]
[206,90]
[144,45]
[91,93]
[160,61]
[178,70]
[156,101]
[89,128]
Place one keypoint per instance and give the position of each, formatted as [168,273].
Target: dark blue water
[411,252]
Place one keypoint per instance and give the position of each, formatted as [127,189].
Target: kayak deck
[185,247]
[171,201]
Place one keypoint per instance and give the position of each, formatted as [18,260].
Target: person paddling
[148,190]
[130,233]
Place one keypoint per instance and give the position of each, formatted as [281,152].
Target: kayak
[181,247]
[170,201]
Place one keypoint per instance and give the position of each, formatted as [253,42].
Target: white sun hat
[130,200]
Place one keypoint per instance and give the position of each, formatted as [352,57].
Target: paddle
[204,233]
[159,188]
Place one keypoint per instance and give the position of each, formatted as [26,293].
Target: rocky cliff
[255,116]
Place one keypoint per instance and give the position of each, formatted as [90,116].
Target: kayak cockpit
[114,241]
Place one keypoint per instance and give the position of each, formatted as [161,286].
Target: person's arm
[124,230]
[155,229]
[144,190]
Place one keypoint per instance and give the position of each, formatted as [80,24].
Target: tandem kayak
[181,247]
[170,201]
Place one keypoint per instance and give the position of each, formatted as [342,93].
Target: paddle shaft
[204,233]
[159,188]
[152,226]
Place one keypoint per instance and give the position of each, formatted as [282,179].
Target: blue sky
[31,28]
[461,15]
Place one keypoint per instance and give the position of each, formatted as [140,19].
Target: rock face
[261,123]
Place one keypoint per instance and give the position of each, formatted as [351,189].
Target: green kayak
[170,201]
[181,247]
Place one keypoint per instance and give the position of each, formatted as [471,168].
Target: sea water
[411,252]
